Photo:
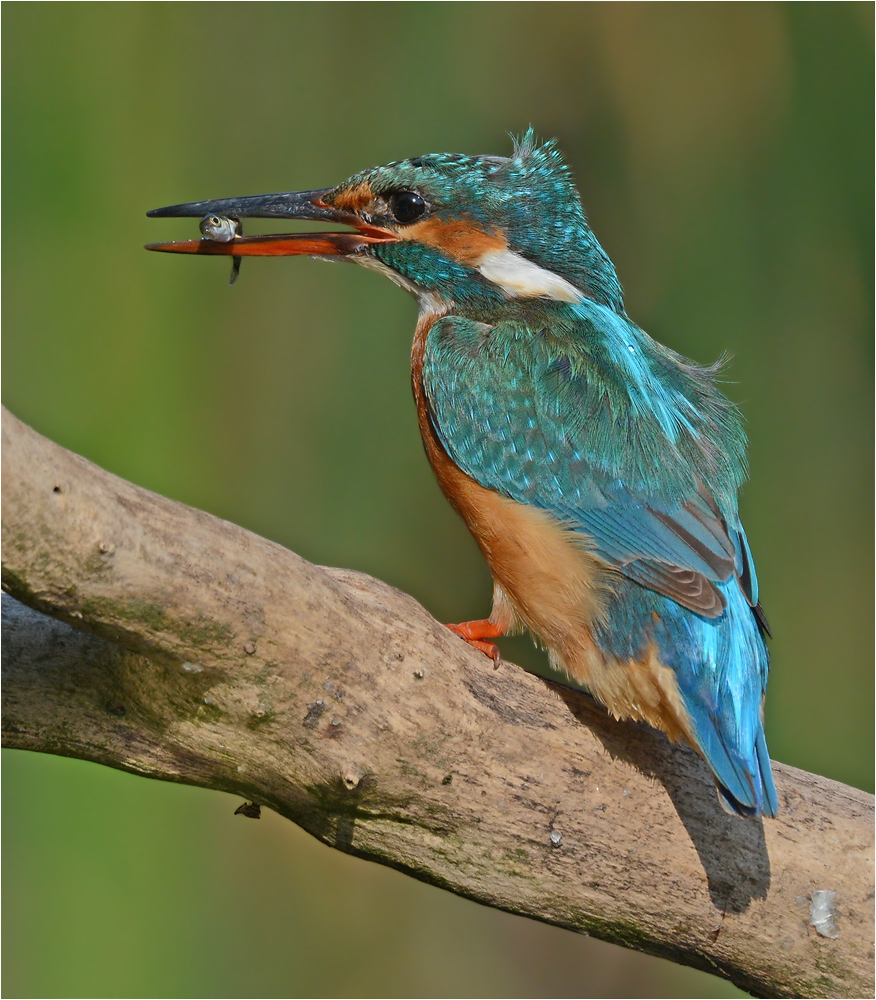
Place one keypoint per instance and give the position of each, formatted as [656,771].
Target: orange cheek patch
[354,199]
[457,238]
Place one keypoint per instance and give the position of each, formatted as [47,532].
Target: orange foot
[475,633]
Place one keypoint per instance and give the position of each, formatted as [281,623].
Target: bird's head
[458,231]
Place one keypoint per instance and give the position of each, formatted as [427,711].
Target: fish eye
[215,220]
[406,206]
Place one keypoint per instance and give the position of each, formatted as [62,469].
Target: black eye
[406,206]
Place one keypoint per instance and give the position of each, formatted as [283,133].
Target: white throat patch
[430,303]
[519,278]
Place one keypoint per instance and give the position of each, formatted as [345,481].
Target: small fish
[219,229]
[222,230]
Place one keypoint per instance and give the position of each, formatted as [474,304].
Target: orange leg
[476,632]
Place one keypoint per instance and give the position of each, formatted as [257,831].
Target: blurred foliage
[724,152]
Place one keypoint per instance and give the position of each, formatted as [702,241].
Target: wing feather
[519,420]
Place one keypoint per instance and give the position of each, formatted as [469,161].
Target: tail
[720,667]
[745,786]
[723,688]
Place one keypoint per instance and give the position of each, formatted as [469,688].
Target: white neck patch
[519,278]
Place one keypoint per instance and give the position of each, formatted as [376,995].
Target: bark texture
[158,639]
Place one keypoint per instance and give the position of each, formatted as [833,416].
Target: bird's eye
[406,206]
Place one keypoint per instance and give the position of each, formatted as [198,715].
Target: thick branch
[216,658]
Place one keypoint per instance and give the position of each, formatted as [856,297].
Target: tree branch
[204,654]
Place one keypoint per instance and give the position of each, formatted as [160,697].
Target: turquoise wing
[529,414]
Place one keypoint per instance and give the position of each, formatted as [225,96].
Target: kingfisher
[597,470]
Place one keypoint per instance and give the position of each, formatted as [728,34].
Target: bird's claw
[475,633]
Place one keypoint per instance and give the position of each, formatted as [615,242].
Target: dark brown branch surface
[206,655]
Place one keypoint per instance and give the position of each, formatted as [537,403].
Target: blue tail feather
[721,667]
[770,796]
[737,787]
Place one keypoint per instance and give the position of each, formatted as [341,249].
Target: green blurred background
[724,153]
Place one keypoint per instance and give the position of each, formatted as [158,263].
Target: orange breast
[546,577]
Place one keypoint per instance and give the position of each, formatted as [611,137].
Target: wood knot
[351,778]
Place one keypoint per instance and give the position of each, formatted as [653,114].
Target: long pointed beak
[305,205]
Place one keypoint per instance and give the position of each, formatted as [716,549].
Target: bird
[597,470]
